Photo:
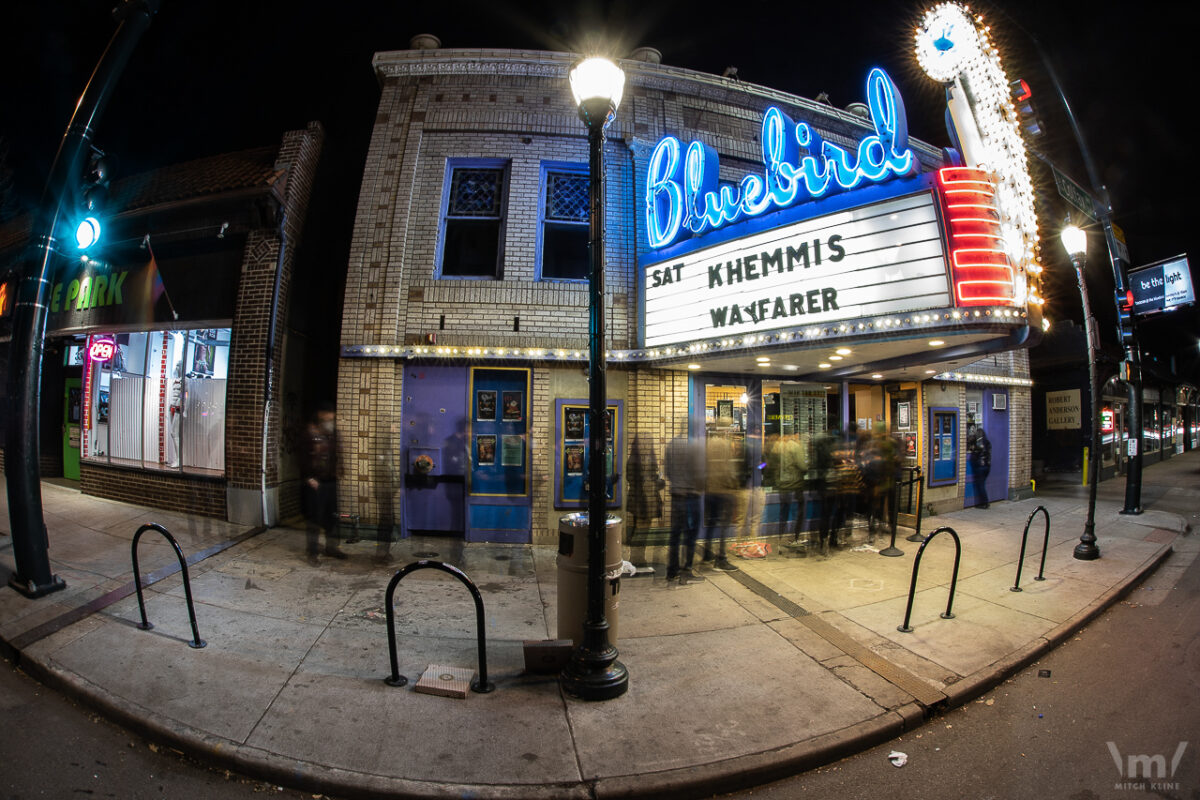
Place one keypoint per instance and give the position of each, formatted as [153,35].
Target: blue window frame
[943,446]
[563,222]
[474,203]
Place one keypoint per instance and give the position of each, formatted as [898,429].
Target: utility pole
[52,218]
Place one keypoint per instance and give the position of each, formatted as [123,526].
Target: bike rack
[196,642]
[919,480]
[482,685]
[1016,587]
[912,589]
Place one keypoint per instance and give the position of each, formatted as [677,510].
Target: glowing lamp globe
[1074,241]
[597,85]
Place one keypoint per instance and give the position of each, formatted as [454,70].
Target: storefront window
[156,400]
[1151,431]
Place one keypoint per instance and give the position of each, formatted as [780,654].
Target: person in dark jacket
[980,453]
[322,467]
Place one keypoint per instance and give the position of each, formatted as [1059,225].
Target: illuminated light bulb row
[935,318]
[951,43]
[968,377]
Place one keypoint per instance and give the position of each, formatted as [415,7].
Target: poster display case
[571,458]
[499,432]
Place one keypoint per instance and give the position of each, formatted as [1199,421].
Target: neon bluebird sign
[683,197]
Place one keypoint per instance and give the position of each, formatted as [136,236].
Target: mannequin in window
[175,409]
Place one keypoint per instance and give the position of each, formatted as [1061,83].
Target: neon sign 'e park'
[683,197]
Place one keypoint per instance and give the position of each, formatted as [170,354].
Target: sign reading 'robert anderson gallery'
[877,259]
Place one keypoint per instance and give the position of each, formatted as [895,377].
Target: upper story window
[473,220]
[564,222]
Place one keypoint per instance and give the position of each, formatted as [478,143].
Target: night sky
[216,75]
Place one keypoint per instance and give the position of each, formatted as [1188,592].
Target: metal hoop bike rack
[912,588]
[196,642]
[481,685]
[1016,587]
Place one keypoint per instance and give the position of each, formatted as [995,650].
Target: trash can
[573,577]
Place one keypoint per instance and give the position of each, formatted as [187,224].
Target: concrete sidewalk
[739,679]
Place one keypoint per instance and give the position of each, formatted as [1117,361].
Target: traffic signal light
[1125,316]
[93,191]
[1022,98]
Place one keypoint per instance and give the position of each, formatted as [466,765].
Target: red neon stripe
[982,272]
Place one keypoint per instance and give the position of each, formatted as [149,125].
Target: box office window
[473,220]
[564,223]
[158,401]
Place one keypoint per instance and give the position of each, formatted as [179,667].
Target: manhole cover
[425,554]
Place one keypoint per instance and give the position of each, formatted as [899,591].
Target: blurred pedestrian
[823,484]
[387,484]
[322,468]
[685,481]
[980,454]
[722,481]
[847,487]
[792,458]
[879,472]
[645,502]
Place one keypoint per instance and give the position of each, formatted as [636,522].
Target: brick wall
[297,160]
[171,491]
[515,107]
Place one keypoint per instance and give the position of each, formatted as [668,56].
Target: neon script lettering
[682,195]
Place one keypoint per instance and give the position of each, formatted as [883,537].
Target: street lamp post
[1074,241]
[593,672]
[1102,207]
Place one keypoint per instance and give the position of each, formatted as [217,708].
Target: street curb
[699,781]
[754,769]
[264,765]
[978,683]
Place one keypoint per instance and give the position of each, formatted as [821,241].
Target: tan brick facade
[514,109]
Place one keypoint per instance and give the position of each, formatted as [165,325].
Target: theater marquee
[882,258]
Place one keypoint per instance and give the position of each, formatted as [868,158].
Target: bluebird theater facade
[774,266]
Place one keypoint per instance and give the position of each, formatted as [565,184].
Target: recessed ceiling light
[936,342]
[824,365]
[844,351]
[876,376]
[931,372]
[764,363]
[693,366]
[762,358]
[835,358]
[790,367]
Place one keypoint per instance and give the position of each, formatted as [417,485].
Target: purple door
[434,423]
[994,413]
